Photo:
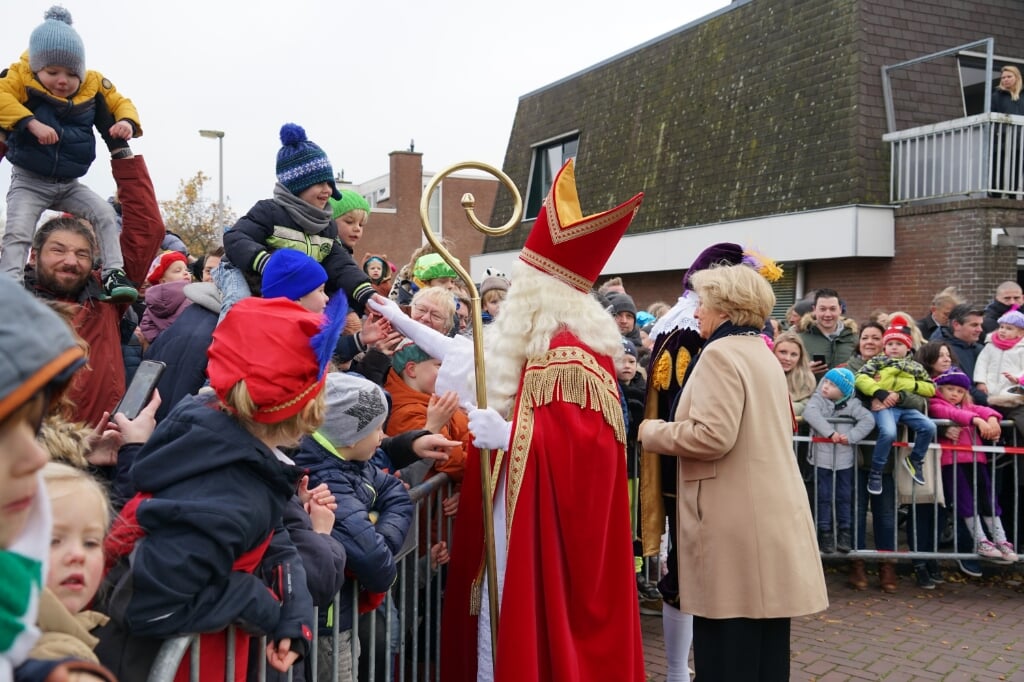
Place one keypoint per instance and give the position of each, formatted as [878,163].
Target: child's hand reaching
[440,410]
[121,130]
[434,446]
[42,132]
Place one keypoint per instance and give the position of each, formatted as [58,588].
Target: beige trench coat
[747,546]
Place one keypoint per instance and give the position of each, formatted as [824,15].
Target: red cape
[569,608]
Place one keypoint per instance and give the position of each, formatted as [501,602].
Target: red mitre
[569,247]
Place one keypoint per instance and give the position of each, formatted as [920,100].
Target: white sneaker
[988,550]
[1007,549]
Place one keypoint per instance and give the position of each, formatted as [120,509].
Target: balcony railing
[973,157]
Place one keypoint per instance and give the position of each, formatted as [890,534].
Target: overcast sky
[363,78]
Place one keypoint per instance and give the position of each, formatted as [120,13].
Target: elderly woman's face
[708,319]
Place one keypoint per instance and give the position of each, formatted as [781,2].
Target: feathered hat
[279,348]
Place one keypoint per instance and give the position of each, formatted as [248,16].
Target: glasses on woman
[420,310]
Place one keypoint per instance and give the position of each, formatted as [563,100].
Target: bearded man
[62,268]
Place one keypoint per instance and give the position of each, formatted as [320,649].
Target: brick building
[394,228]
[763,123]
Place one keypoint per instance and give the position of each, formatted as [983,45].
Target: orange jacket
[409,412]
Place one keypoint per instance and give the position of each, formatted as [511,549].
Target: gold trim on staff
[468,202]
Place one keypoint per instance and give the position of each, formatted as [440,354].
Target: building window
[434,211]
[973,81]
[548,158]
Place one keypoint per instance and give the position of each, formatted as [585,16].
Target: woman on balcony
[1006,150]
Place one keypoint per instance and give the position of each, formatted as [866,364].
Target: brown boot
[857,579]
[887,576]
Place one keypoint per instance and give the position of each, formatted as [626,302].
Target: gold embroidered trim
[288,403]
[595,223]
[682,363]
[661,373]
[568,374]
[556,270]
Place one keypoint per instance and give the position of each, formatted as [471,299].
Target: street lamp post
[219,135]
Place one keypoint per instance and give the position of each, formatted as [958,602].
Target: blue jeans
[887,419]
[883,512]
[232,284]
[843,497]
[31,194]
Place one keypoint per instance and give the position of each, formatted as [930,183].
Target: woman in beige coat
[748,555]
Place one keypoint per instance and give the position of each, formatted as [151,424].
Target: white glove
[434,343]
[458,372]
[490,430]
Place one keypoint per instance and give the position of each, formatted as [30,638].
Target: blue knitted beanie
[291,274]
[301,163]
[55,43]
[843,380]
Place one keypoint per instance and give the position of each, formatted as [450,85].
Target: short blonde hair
[738,291]
[493,296]
[58,473]
[242,407]
[442,299]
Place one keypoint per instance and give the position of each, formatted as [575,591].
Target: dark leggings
[741,649]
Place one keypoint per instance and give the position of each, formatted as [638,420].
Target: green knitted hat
[407,352]
[349,201]
[431,266]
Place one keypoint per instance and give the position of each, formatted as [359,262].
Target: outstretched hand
[434,446]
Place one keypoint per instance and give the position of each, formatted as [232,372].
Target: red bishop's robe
[569,609]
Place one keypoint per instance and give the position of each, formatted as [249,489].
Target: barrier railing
[930,524]
[410,626]
[411,633]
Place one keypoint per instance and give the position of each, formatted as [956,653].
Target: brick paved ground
[963,630]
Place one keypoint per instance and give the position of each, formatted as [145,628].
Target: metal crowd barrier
[922,511]
[416,628]
[415,622]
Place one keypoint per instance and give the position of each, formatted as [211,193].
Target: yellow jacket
[15,87]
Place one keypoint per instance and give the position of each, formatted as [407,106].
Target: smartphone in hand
[141,389]
[818,357]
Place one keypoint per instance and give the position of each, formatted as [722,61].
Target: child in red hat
[212,483]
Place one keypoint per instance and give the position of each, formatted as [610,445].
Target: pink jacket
[939,408]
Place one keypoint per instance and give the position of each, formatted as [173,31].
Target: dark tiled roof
[773,107]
